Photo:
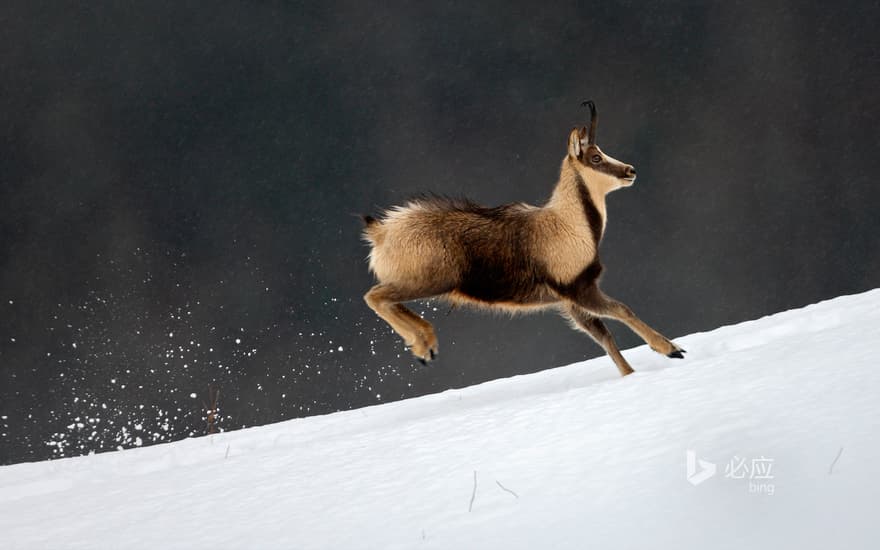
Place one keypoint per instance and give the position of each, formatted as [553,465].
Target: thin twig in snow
[503,488]
[227,451]
[474,494]
[211,410]
[840,452]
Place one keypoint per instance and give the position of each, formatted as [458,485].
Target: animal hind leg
[417,333]
[597,330]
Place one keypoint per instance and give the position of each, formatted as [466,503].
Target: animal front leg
[597,330]
[601,305]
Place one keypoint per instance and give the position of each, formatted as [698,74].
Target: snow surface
[785,407]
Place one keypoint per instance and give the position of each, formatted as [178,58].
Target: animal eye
[596,159]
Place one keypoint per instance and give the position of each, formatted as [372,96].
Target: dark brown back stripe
[594,218]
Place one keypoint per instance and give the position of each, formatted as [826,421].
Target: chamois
[515,257]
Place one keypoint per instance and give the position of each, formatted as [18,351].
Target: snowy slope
[785,407]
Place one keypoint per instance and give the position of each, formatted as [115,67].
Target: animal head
[592,163]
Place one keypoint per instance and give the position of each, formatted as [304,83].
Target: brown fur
[513,258]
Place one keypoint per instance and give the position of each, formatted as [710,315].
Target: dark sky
[178,182]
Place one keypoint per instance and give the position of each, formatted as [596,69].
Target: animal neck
[579,198]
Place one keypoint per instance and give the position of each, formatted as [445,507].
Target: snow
[784,408]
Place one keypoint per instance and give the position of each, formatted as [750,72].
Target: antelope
[514,258]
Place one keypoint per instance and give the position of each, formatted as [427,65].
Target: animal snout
[630,173]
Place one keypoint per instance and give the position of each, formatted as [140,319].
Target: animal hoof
[677,354]
[424,348]
[424,357]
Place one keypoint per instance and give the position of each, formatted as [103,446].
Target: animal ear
[576,142]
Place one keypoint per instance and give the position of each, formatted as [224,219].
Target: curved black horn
[594,120]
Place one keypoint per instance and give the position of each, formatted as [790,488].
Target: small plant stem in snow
[830,468]
[474,494]
[503,488]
